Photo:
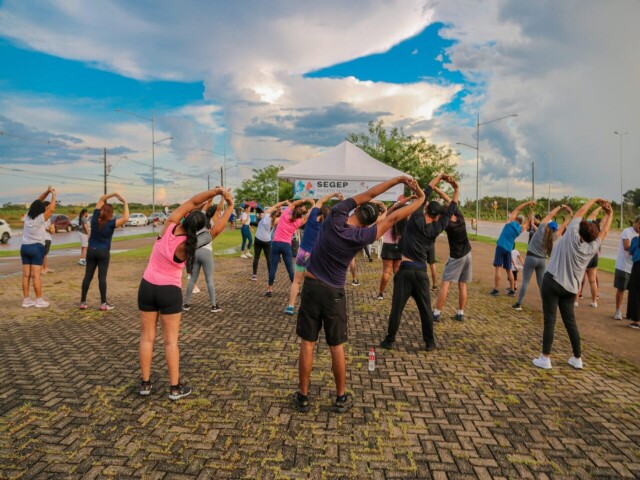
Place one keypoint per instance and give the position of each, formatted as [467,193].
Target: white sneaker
[617,315]
[243,256]
[576,304]
[593,304]
[196,289]
[542,362]
[41,303]
[249,255]
[27,302]
[576,363]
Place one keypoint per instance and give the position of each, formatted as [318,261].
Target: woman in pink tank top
[160,292]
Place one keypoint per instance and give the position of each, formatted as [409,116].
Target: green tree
[413,155]
[633,197]
[262,187]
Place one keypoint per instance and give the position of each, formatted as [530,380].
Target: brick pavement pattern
[474,408]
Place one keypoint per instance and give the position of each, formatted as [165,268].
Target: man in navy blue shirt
[323,302]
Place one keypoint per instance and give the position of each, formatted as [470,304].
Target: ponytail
[547,241]
[194,222]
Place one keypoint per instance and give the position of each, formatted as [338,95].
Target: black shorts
[165,299]
[322,304]
[593,263]
[391,251]
[47,247]
[431,255]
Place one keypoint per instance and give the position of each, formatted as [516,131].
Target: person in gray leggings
[539,249]
[204,260]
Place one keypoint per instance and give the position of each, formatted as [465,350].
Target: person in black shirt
[459,266]
[411,280]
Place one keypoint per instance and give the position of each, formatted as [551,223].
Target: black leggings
[258,247]
[555,297]
[96,258]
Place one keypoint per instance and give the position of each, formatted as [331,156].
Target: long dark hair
[398,228]
[547,241]
[192,223]
[211,211]
[297,213]
[82,212]
[106,214]
[37,208]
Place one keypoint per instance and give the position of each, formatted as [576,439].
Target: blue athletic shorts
[32,254]
[502,258]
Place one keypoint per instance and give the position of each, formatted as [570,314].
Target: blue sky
[246,86]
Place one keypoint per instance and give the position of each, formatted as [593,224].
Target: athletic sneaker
[83,305]
[430,346]
[176,392]
[268,294]
[195,289]
[459,317]
[27,302]
[635,325]
[593,304]
[617,315]
[511,293]
[216,308]
[387,343]
[495,292]
[436,318]
[106,306]
[186,307]
[576,363]
[355,283]
[344,403]
[82,261]
[435,287]
[254,277]
[289,310]
[249,255]
[380,297]
[145,388]
[243,256]
[542,362]
[576,304]
[41,303]
[300,402]
[516,306]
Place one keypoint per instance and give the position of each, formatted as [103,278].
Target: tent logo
[332,184]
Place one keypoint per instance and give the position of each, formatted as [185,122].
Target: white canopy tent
[345,169]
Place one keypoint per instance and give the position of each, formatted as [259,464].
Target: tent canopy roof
[344,161]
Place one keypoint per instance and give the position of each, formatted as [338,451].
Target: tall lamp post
[153,153]
[621,134]
[477,149]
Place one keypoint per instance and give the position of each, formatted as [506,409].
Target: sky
[242,85]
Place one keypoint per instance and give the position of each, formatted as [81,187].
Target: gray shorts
[621,280]
[458,269]
[84,240]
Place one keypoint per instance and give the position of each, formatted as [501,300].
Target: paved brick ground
[474,408]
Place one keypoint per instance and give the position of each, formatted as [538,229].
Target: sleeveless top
[162,268]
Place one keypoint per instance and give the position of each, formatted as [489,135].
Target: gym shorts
[458,269]
[32,254]
[593,263]
[84,240]
[502,258]
[322,305]
[621,280]
[165,299]
[302,260]
[391,251]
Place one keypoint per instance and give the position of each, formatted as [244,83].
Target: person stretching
[412,280]
[314,221]
[592,268]
[624,264]
[459,266]
[561,282]
[505,243]
[99,251]
[323,302]
[292,218]
[245,231]
[160,291]
[539,249]
[264,232]
[83,232]
[32,248]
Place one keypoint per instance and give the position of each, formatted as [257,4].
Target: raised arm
[52,205]
[125,214]
[442,194]
[594,214]
[46,193]
[517,210]
[567,219]
[326,198]
[218,227]
[582,211]
[605,224]
[387,221]
[380,188]
[275,207]
[104,198]
[193,203]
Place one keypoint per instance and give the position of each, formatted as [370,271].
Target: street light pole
[477,149]
[533,181]
[549,181]
[621,134]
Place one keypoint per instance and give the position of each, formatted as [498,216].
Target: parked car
[5,231]
[75,223]
[157,217]
[137,220]
[61,222]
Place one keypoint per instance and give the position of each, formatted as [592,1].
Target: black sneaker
[176,392]
[344,403]
[268,294]
[387,343]
[495,292]
[436,318]
[186,307]
[355,283]
[216,308]
[458,317]
[511,293]
[145,388]
[516,306]
[300,402]
[430,345]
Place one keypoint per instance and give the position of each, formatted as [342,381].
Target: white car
[137,220]
[5,231]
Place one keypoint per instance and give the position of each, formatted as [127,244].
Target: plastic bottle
[372,360]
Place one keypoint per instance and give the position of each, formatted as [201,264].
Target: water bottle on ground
[372,360]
